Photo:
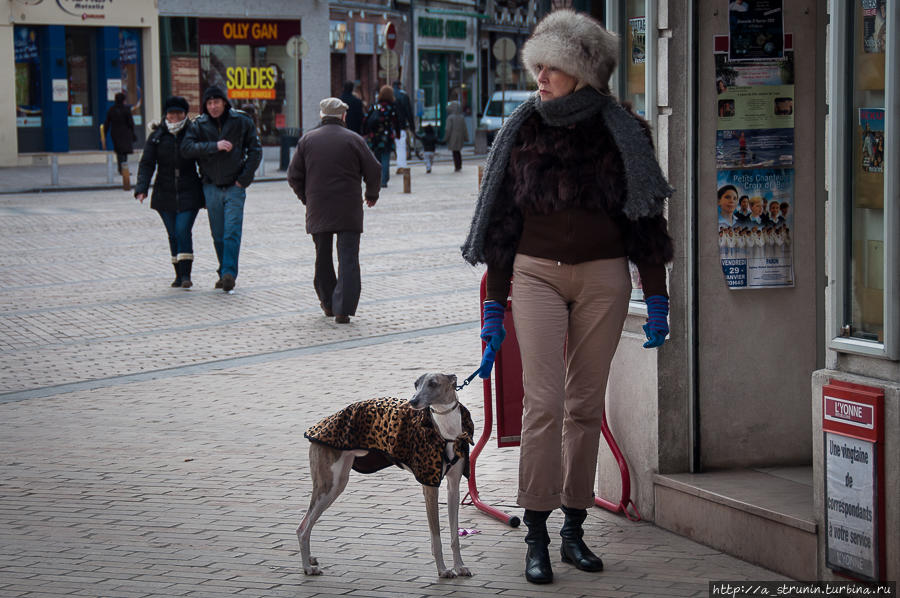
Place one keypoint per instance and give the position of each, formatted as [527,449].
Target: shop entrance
[440,77]
[82,112]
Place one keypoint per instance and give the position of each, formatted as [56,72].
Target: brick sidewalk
[152,438]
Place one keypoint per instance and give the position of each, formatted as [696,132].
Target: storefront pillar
[8,132]
[53,68]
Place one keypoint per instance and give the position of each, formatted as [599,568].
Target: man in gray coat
[325,175]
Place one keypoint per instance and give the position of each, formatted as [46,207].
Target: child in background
[429,141]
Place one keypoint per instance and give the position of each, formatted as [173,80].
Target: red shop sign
[238,32]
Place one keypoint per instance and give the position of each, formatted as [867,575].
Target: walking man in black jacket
[226,146]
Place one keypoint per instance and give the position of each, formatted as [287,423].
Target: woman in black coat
[177,191]
[120,125]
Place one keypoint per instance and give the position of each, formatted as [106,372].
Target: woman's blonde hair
[386,94]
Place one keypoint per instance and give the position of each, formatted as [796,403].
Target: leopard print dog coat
[394,434]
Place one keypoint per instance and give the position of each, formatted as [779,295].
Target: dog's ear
[452,378]
[419,381]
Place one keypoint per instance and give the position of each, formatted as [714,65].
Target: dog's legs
[330,469]
[452,484]
[434,527]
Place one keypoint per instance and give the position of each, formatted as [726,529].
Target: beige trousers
[568,322]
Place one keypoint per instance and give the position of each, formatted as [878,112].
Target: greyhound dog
[435,399]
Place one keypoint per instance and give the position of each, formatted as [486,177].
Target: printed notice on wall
[850,509]
[755,29]
[755,207]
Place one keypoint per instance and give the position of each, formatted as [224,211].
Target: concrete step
[764,516]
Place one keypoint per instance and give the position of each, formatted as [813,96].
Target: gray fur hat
[576,44]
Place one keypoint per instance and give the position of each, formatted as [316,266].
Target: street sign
[504,49]
[296,47]
[389,61]
[504,72]
[390,36]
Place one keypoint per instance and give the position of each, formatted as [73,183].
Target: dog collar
[455,405]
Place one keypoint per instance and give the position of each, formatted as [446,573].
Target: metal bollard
[407,179]
[110,168]
[126,177]
[54,170]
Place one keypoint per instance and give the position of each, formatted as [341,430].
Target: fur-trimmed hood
[576,44]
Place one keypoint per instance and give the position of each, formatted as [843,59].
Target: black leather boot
[177,281]
[573,549]
[537,558]
[186,273]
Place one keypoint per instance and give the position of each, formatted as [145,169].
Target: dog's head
[434,389]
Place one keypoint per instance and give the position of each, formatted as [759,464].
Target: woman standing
[120,125]
[456,134]
[571,192]
[381,127]
[177,191]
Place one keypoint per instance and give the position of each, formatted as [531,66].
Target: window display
[864,305]
[28,77]
[249,60]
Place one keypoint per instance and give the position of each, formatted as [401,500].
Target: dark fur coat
[556,168]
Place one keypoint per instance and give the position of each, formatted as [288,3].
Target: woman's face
[554,83]
[174,116]
[728,202]
[756,208]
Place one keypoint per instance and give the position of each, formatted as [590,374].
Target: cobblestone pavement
[152,438]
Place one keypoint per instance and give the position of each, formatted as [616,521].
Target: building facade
[271,58]
[68,60]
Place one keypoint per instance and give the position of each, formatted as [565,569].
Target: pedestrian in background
[381,127]
[120,125]
[354,107]
[226,145]
[177,190]
[456,134]
[571,192]
[407,122]
[429,144]
[325,174]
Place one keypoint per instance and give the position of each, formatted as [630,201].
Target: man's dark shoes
[537,557]
[327,311]
[573,550]
[342,319]
[219,284]
[227,282]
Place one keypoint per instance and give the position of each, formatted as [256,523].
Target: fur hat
[576,44]
[332,107]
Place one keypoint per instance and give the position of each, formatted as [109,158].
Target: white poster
[850,507]
[60,90]
[113,86]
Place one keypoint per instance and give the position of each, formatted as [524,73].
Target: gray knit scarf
[646,187]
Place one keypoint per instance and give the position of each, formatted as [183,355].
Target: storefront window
[129,65]
[865,223]
[249,59]
[866,210]
[78,60]
[636,56]
[28,77]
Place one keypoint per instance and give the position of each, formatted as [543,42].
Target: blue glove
[657,326]
[492,333]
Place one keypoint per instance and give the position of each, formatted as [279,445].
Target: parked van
[499,108]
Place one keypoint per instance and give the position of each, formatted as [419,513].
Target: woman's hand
[140,197]
[657,326]
[492,333]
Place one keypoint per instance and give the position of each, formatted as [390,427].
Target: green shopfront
[447,68]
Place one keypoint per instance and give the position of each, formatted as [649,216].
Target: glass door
[82,102]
